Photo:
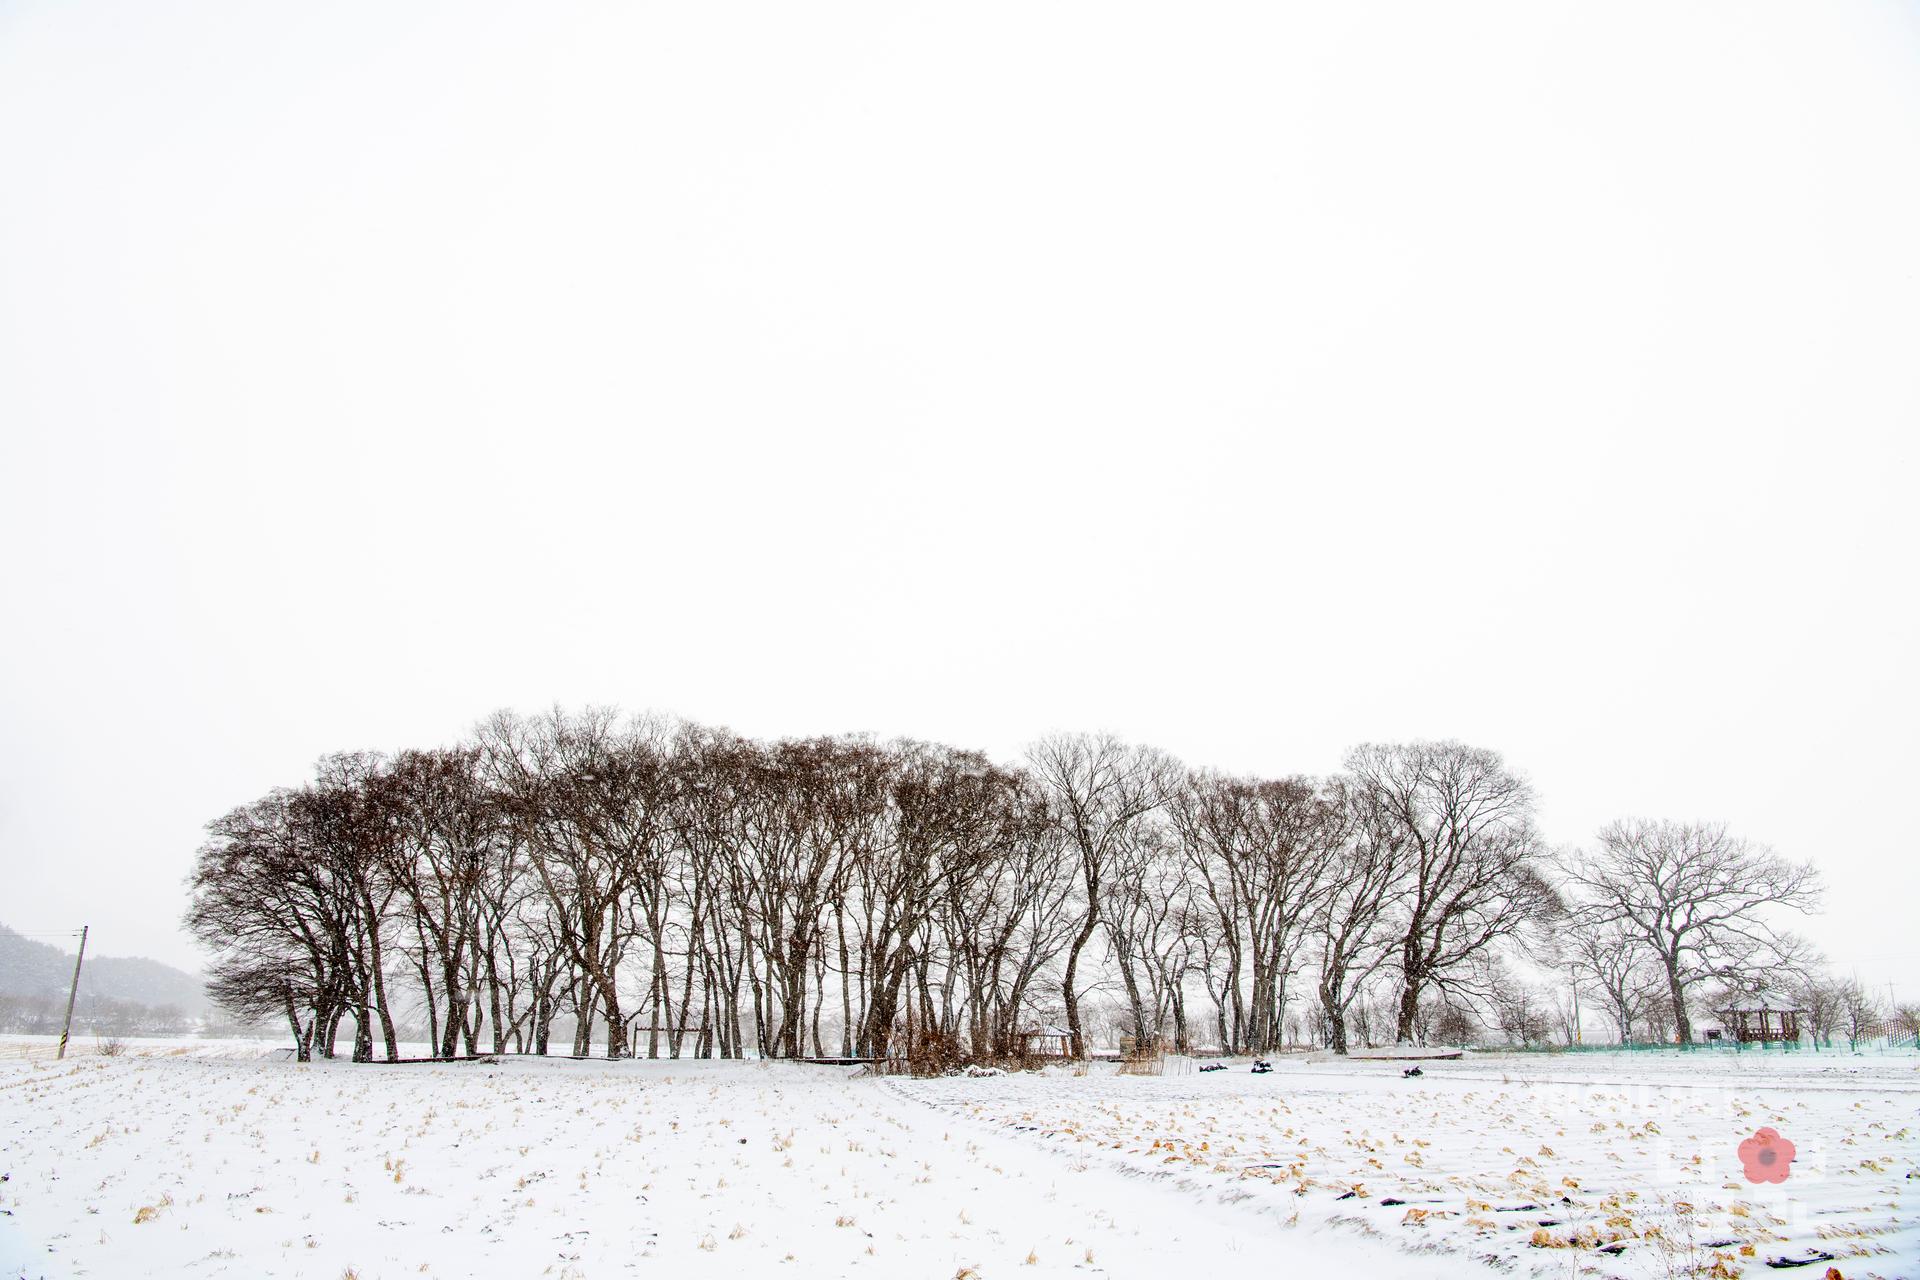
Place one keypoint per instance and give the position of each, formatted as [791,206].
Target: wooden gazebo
[1046,1042]
[1751,1026]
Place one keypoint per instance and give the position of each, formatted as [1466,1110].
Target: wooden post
[72,991]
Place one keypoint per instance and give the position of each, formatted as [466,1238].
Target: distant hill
[34,970]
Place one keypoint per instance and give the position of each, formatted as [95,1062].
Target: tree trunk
[1280,1008]
[332,1029]
[302,1036]
[846,988]
[362,1032]
[679,1029]
[456,1009]
[380,994]
[493,997]
[1409,1013]
[1068,997]
[1260,1034]
[662,991]
[1142,1035]
[610,1003]
[1332,1004]
[433,1004]
[1683,1026]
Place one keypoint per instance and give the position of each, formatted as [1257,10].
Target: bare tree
[1367,877]
[350,821]
[1694,895]
[954,815]
[278,893]
[1262,854]
[1098,788]
[1525,1014]
[1861,1013]
[1141,913]
[1454,1025]
[1472,852]
[1613,963]
[450,836]
[1822,1000]
[1008,925]
[590,805]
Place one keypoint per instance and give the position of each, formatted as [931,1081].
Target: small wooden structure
[1046,1041]
[1752,1026]
[1142,1057]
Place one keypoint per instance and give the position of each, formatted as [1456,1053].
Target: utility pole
[73,991]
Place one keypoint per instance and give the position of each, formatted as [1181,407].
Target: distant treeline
[93,1015]
[118,995]
[707,894]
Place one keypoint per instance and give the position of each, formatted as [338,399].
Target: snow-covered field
[223,1159]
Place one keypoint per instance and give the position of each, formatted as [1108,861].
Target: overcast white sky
[1251,380]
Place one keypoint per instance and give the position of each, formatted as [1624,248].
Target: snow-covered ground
[223,1159]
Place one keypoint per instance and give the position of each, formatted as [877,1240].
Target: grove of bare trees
[1688,899]
[696,893]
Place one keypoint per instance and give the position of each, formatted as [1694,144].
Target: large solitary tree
[1694,895]
[1471,854]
